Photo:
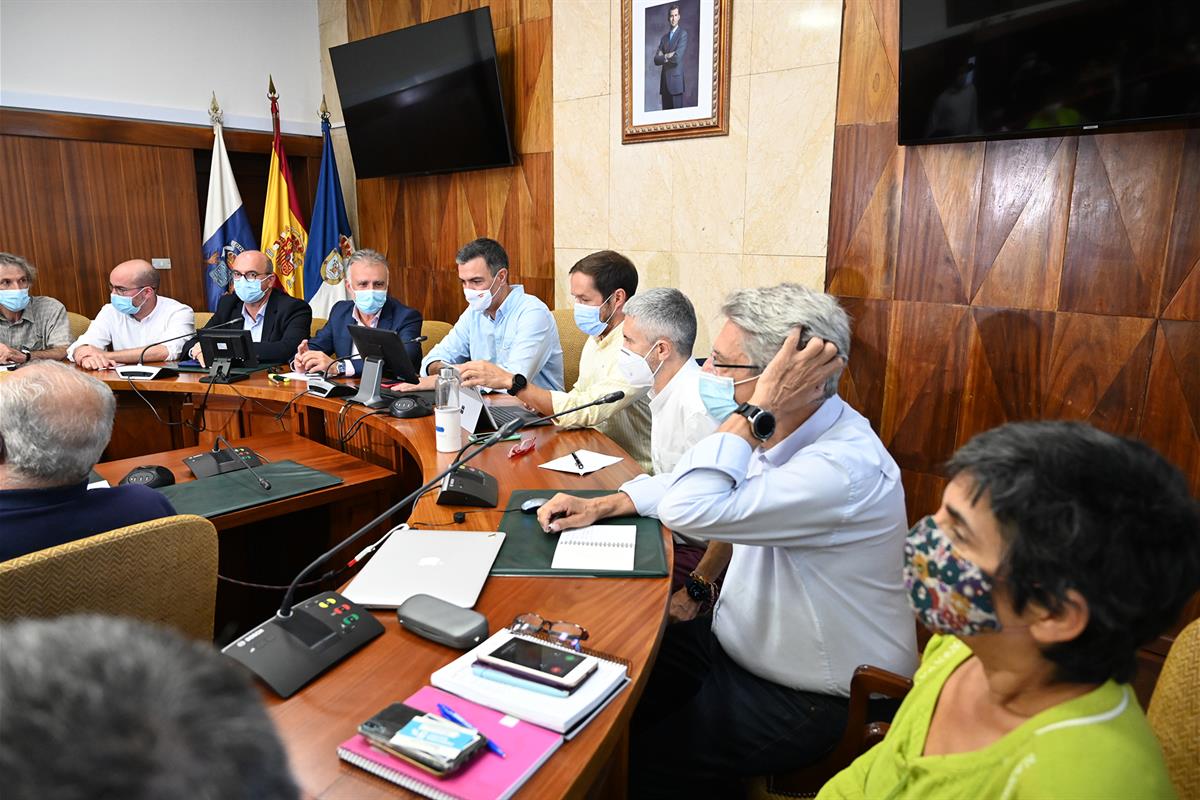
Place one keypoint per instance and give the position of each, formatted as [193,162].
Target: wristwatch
[700,590]
[518,384]
[762,422]
[28,354]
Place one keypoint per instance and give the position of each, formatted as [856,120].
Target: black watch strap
[518,383]
[762,422]
[28,354]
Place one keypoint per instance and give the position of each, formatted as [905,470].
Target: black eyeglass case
[442,622]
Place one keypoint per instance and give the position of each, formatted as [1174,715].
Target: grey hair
[364,255]
[768,314]
[143,712]
[491,251]
[11,260]
[54,423]
[665,314]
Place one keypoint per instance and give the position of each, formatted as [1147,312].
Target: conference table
[624,616]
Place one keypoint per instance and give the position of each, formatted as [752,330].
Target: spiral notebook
[599,548]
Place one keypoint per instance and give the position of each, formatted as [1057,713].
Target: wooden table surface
[625,616]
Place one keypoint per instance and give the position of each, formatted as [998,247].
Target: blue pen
[452,715]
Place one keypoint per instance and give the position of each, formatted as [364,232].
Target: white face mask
[636,369]
[480,299]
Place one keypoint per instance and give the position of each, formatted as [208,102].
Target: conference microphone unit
[478,488]
[142,372]
[321,386]
[216,462]
[304,639]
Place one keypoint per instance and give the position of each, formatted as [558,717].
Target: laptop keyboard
[505,414]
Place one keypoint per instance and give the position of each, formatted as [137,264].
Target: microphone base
[141,372]
[288,653]
[467,486]
[208,464]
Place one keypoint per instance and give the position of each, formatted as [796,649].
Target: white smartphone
[541,662]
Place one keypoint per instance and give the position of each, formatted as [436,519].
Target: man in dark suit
[671,49]
[277,321]
[369,304]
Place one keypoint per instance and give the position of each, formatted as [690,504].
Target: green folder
[528,550]
[233,491]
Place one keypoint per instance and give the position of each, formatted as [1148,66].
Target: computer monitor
[383,353]
[225,350]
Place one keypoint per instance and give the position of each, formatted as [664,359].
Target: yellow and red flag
[284,238]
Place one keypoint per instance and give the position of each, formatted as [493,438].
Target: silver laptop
[481,417]
[450,565]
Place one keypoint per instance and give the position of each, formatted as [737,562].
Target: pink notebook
[488,777]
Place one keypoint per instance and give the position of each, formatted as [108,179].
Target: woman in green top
[1058,550]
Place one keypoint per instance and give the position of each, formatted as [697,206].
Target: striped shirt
[43,325]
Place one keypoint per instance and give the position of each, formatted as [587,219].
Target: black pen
[578,463]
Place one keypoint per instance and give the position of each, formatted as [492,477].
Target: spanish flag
[283,236]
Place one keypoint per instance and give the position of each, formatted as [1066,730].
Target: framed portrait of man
[675,68]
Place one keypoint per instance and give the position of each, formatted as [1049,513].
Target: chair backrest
[202,318]
[434,331]
[316,325]
[79,324]
[164,571]
[1174,713]
[572,340]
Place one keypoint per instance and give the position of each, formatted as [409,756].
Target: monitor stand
[368,388]
[220,372]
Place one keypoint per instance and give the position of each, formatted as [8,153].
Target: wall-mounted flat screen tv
[424,99]
[982,69]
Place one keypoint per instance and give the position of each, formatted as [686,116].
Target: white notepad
[591,462]
[596,548]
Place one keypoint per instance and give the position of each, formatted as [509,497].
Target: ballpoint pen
[452,715]
[578,463]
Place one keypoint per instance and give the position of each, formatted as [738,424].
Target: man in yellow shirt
[601,284]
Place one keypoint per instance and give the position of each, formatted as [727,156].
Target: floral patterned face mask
[948,593]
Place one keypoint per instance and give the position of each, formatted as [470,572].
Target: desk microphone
[140,372]
[611,397]
[303,640]
[206,465]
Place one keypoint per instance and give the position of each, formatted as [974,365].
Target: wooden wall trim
[117,130]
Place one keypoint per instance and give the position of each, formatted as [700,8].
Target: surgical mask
[249,291]
[125,304]
[635,368]
[14,299]
[948,593]
[588,318]
[369,301]
[716,392]
[480,299]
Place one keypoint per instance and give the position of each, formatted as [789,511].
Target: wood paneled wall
[78,195]
[1053,278]
[420,223]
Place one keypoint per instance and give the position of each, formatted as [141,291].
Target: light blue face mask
[716,391]
[588,318]
[369,301]
[125,304]
[248,291]
[14,299]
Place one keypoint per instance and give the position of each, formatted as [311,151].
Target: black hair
[610,271]
[1085,510]
[489,250]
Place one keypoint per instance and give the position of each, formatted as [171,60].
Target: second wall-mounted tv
[979,69]
[425,99]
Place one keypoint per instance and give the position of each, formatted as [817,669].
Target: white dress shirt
[112,330]
[679,418]
[815,585]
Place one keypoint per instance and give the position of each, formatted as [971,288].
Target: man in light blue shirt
[502,324]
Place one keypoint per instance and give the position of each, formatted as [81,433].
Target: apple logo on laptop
[430,561]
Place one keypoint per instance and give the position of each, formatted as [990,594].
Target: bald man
[277,321]
[137,315]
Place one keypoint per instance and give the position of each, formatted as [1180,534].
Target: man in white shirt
[601,284]
[136,316]
[801,486]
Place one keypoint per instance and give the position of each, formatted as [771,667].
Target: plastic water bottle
[447,412]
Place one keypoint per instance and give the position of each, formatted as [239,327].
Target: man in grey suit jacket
[671,49]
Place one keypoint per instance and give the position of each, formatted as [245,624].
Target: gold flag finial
[324,109]
[214,111]
[271,93]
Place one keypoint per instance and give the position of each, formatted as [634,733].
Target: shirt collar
[358,317]
[262,312]
[515,292]
[683,374]
[809,431]
[36,498]
[615,336]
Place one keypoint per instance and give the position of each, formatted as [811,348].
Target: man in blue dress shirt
[369,304]
[54,423]
[502,324]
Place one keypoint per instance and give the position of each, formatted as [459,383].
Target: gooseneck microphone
[611,397]
[141,372]
[221,440]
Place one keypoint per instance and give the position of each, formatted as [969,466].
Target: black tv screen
[980,69]
[424,99]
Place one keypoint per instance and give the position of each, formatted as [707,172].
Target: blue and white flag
[329,242]
[226,227]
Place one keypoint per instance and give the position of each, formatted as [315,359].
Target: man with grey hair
[31,326]
[812,503]
[370,305]
[108,707]
[55,421]
[136,316]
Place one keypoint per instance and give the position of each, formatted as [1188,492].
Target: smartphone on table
[540,662]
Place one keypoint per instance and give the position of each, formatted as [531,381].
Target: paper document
[100,484]
[599,548]
[591,462]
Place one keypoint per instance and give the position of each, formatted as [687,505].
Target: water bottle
[447,412]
